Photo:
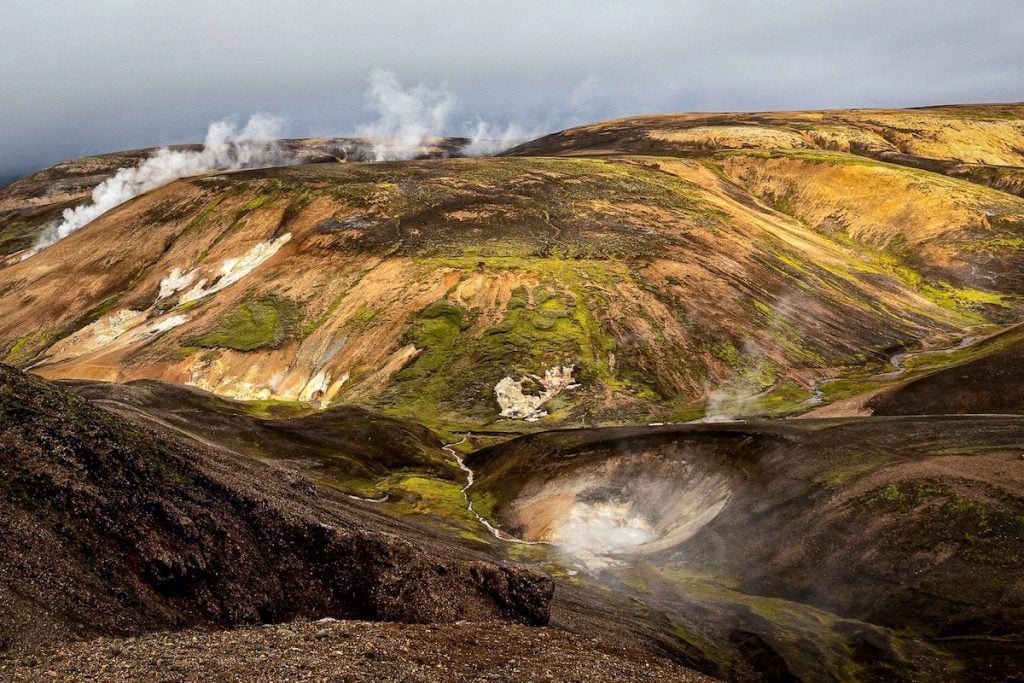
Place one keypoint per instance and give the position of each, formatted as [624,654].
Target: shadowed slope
[833,541]
[113,527]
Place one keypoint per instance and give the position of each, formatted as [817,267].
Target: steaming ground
[629,506]
[225,147]
[406,117]
[807,547]
[613,274]
[407,121]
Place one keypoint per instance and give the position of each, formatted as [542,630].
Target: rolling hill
[495,357]
[679,265]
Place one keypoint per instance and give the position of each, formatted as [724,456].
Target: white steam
[601,528]
[410,120]
[225,147]
[406,119]
[487,139]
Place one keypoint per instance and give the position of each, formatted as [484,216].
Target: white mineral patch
[98,334]
[166,323]
[316,387]
[517,404]
[233,269]
[124,326]
[176,281]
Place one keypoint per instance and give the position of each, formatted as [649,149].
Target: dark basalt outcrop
[111,527]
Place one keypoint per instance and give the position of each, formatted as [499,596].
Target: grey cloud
[84,76]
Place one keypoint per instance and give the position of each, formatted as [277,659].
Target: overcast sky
[81,77]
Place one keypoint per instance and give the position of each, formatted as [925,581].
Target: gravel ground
[347,651]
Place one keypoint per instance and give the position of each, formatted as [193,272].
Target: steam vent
[424,365]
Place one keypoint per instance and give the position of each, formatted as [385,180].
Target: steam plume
[408,119]
[486,139]
[225,147]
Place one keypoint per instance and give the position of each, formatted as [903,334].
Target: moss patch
[253,325]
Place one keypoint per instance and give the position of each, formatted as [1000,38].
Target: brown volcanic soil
[991,384]
[350,651]
[110,527]
[649,276]
[909,525]
[649,260]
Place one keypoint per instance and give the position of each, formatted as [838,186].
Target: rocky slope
[351,651]
[643,278]
[110,526]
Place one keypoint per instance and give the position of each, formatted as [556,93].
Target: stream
[495,531]
[896,361]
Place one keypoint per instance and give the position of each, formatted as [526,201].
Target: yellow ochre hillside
[652,268]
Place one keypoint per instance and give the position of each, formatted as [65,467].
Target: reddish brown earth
[350,651]
[113,527]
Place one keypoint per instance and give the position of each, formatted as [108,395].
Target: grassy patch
[787,397]
[27,347]
[252,325]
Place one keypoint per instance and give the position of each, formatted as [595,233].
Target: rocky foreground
[349,651]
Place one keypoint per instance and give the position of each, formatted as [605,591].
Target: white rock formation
[231,271]
[517,404]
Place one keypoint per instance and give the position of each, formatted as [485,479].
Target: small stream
[495,531]
[896,361]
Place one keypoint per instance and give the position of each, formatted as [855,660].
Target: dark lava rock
[111,526]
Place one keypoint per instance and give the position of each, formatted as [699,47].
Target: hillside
[981,143]
[28,204]
[476,373]
[112,527]
[675,278]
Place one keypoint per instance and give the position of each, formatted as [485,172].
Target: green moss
[725,351]
[438,498]
[16,354]
[296,206]
[183,352]
[484,504]
[313,324]
[252,325]
[255,203]
[361,317]
[960,298]
[188,305]
[27,347]
[931,514]
[788,397]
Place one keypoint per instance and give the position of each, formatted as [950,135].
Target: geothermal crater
[629,505]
